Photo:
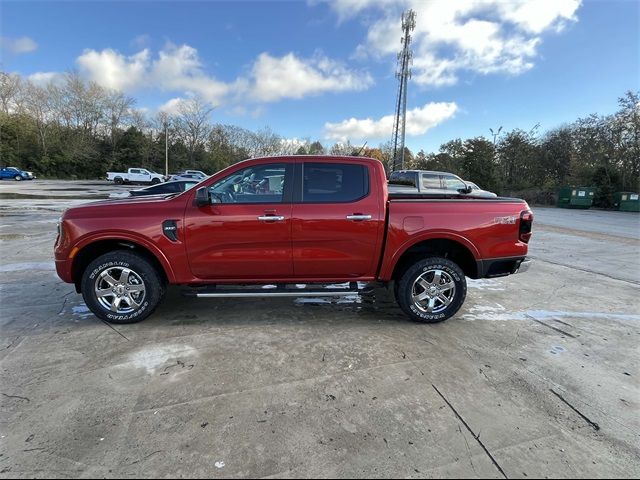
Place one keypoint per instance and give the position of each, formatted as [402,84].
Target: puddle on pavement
[30,196]
[499,313]
[19,267]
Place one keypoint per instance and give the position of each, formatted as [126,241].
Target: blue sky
[325,70]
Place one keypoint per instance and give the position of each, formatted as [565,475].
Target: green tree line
[76,129]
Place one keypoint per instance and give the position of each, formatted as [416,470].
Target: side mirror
[203,197]
[466,191]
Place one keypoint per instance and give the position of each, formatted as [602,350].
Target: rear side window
[403,178]
[334,182]
[430,180]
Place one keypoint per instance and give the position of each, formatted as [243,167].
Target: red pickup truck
[289,221]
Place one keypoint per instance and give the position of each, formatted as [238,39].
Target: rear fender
[389,265]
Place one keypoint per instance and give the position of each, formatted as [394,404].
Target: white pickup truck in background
[135,175]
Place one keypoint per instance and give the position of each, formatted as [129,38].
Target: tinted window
[403,178]
[431,180]
[334,182]
[259,184]
[135,170]
[453,183]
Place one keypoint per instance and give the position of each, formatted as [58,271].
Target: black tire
[118,181]
[450,273]
[17,178]
[155,181]
[140,270]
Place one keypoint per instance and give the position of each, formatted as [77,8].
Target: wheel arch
[92,249]
[457,250]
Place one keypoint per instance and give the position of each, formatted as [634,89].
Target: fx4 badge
[510,220]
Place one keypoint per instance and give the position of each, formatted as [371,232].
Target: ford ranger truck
[287,221]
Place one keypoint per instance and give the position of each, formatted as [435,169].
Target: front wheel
[432,290]
[17,178]
[122,287]
[155,181]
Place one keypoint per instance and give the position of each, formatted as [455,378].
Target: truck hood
[117,205]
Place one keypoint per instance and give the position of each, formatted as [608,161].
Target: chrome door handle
[358,218]
[271,218]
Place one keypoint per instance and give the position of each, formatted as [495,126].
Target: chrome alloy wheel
[119,289]
[433,291]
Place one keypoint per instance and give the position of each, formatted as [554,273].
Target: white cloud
[179,69]
[111,69]
[172,106]
[18,46]
[419,121]
[451,37]
[42,79]
[275,78]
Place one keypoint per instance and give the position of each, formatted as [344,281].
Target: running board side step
[214,291]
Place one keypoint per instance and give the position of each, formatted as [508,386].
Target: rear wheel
[118,181]
[122,287]
[432,290]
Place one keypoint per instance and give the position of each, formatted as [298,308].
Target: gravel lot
[538,375]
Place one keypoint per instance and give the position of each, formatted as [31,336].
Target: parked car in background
[14,173]
[476,191]
[426,182]
[135,175]
[165,188]
[188,176]
[196,172]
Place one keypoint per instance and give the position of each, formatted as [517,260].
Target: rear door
[337,220]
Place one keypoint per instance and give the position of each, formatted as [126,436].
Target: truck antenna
[361,148]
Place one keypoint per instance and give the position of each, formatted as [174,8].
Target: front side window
[453,183]
[258,184]
[431,180]
[334,182]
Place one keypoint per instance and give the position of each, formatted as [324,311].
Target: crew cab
[426,181]
[311,220]
[135,175]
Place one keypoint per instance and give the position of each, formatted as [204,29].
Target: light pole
[166,147]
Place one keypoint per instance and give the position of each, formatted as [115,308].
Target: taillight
[526,221]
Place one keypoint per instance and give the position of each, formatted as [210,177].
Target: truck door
[338,220]
[246,232]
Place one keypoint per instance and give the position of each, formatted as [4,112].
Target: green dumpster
[575,197]
[627,202]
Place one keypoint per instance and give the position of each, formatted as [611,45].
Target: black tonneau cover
[448,196]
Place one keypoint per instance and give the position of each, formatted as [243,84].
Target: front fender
[130,237]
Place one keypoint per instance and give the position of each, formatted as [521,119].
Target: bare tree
[39,105]
[117,107]
[10,85]
[192,124]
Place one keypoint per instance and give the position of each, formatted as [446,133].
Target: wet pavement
[538,374]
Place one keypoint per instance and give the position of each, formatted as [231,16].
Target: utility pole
[405,60]
[166,146]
